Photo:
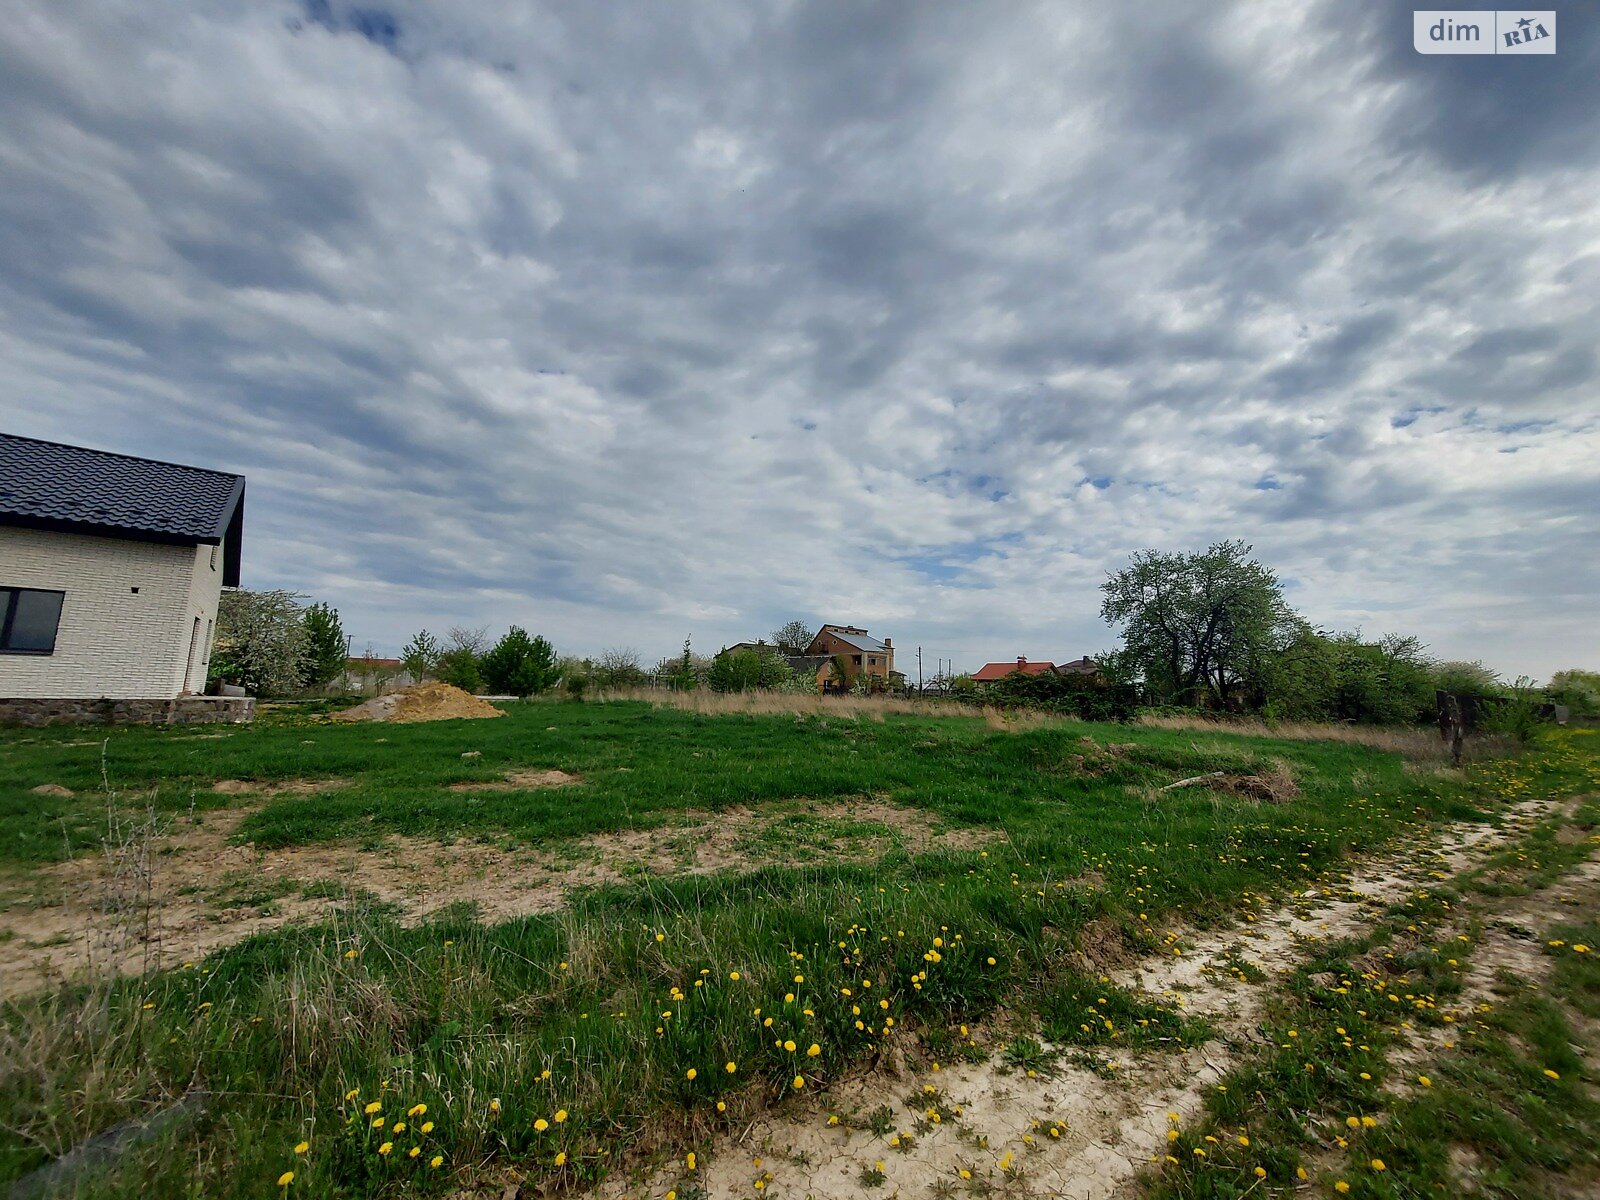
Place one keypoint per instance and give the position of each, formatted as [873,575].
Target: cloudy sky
[635,322]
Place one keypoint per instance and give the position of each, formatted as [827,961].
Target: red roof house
[993,672]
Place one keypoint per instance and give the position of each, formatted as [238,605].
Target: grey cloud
[629,325]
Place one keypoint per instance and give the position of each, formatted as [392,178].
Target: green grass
[1484,1104]
[566,1011]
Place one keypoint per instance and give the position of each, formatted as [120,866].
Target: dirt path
[1079,1133]
[169,894]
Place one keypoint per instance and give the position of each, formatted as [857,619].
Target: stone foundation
[183,710]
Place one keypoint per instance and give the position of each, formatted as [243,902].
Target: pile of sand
[421,702]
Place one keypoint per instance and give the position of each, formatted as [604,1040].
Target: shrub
[521,665]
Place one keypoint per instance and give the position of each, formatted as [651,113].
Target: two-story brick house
[857,652]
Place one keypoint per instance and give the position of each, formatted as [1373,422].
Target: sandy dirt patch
[421,702]
[517,781]
[191,888]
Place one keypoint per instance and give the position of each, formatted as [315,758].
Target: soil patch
[276,787]
[518,781]
[50,789]
[421,702]
[190,888]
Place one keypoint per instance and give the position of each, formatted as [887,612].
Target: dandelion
[302,1147]
[352,1094]
[285,1179]
[541,1125]
[789,1046]
[436,1161]
[416,1110]
[1549,1074]
[690,1073]
[385,1148]
[1424,1081]
[427,1127]
[965,1174]
[813,1050]
[561,1159]
[833,1118]
[722,1106]
[414,1151]
[494,1105]
[689,1160]
[1341,1187]
[731,1067]
[799,1082]
[375,1106]
[1377,1165]
[1261,1172]
[1580,948]
[561,1115]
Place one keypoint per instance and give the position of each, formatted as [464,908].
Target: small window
[29,618]
[214,552]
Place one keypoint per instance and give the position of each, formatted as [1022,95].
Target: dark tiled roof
[48,485]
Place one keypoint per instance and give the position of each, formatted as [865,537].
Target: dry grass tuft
[1416,745]
[810,704]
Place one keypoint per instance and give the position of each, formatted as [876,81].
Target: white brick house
[110,571]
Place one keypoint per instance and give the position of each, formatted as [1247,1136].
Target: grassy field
[410,1058]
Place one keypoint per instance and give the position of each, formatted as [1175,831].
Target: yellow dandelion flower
[375,1106]
[1377,1165]
[1424,1081]
[722,1106]
[1341,1187]
[813,1050]
[416,1110]
[494,1105]
[1261,1172]
[436,1161]
[285,1179]
[731,1067]
[561,1159]
[561,1115]
[690,1073]
[414,1151]
[541,1125]
[302,1147]
[427,1127]
[799,1082]
[689,1160]
[1549,1074]
[385,1148]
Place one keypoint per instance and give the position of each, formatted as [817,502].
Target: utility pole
[919,670]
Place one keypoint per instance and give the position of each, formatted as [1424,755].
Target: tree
[1578,690]
[521,665]
[1200,627]
[793,637]
[420,656]
[260,641]
[736,671]
[617,668]
[326,647]
[458,663]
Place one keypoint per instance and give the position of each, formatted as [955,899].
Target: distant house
[994,672]
[111,569]
[756,647]
[855,651]
[1080,666]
